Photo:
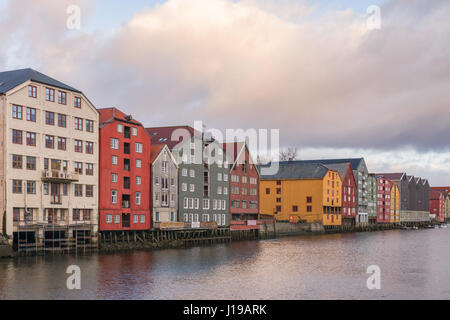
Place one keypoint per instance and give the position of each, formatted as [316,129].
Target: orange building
[302,192]
[395,204]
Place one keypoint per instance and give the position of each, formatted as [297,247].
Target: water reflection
[414,265]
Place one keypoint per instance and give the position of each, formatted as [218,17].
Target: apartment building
[384,187]
[125,202]
[243,187]
[49,162]
[203,175]
[164,176]
[446,191]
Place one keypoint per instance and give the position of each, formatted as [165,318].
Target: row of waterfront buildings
[69,170]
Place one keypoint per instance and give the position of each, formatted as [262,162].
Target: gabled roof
[108,115]
[446,190]
[235,151]
[341,168]
[355,162]
[163,135]
[296,170]
[11,79]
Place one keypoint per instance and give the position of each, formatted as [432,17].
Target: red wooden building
[384,186]
[124,196]
[244,187]
[437,205]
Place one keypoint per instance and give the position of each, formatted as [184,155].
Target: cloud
[325,80]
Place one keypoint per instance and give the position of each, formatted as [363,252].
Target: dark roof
[296,170]
[355,162]
[341,168]
[11,79]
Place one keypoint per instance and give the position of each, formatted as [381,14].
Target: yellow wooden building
[308,192]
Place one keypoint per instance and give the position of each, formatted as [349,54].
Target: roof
[108,115]
[155,150]
[163,135]
[341,168]
[392,176]
[11,79]
[445,190]
[297,170]
[355,162]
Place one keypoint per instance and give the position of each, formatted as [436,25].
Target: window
[17,112]
[308,199]
[117,218]
[62,97]
[184,187]
[49,118]
[62,120]
[225,190]
[294,208]
[142,218]
[79,124]
[77,102]
[185,203]
[31,114]
[31,139]
[17,186]
[17,136]
[114,178]
[89,191]
[115,143]
[76,214]
[219,190]
[134,131]
[119,128]
[17,162]
[31,187]
[89,147]
[32,91]
[78,190]
[138,181]
[138,198]
[109,218]
[50,94]
[308,208]
[78,146]
[184,172]
[31,163]
[138,163]
[138,147]
[114,160]
[219,177]
[62,143]
[225,177]
[113,196]
[278,209]
[135,218]
[89,169]
[89,125]
[45,186]
[50,142]
[206,204]
[192,188]
[78,167]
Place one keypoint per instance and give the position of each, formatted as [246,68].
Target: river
[414,264]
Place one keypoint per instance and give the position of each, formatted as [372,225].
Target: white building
[48,163]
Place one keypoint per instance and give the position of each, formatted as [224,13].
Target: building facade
[243,187]
[124,202]
[164,176]
[203,175]
[395,203]
[302,192]
[372,198]
[446,191]
[437,206]
[49,162]
[384,188]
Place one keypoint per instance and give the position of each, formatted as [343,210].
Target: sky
[315,70]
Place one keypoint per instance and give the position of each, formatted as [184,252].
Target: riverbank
[173,239]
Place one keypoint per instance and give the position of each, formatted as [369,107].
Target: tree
[289,154]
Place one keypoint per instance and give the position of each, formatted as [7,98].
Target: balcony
[59,176]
